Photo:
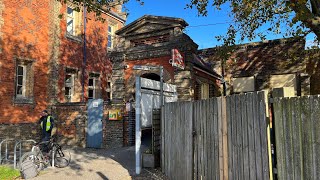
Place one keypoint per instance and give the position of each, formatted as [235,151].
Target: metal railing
[6,149]
[17,149]
[19,143]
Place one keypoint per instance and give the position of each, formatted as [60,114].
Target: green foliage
[288,17]
[7,173]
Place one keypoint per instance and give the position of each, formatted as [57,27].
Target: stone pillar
[54,45]
[118,84]
[183,81]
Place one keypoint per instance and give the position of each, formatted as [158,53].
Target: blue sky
[201,29]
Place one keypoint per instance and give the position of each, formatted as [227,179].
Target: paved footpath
[87,164]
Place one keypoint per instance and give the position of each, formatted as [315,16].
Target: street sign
[177,59]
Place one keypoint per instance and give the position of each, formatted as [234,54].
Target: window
[21,81]
[110,36]
[109,89]
[94,87]
[70,21]
[73,21]
[204,91]
[24,82]
[91,88]
[69,86]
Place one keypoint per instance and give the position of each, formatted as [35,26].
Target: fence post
[224,137]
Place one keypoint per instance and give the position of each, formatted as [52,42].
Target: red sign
[177,59]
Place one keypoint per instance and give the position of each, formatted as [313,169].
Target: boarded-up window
[204,91]
[285,80]
[243,84]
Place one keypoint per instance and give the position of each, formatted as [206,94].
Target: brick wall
[313,69]
[25,34]
[71,123]
[112,130]
[262,59]
[21,131]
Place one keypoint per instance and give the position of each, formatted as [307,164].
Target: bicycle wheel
[34,158]
[61,157]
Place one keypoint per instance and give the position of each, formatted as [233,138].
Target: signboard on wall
[115,115]
[177,59]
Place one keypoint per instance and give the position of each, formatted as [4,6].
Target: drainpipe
[84,48]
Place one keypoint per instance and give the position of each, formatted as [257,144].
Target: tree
[291,17]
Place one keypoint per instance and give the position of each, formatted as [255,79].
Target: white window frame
[71,16]
[71,86]
[93,87]
[205,88]
[24,80]
[110,36]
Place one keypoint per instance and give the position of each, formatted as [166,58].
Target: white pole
[138,126]
[53,151]
[161,87]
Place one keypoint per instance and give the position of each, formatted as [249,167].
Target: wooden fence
[176,134]
[219,138]
[297,131]
[247,137]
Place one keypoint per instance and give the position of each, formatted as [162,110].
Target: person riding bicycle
[46,122]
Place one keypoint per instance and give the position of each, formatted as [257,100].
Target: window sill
[77,39]
[23,100]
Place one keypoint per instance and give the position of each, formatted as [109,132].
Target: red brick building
[42,60]
[149,40]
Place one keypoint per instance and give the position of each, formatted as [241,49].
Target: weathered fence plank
[307,155]
[316,128]
[297,137]
[256,132]
[245,141]
[277,106]
[252,158]
[264,137]
[230,132]
[237,121]
[296,129]
[216,140]
[225,138]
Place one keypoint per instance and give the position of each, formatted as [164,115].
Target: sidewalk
[115,164]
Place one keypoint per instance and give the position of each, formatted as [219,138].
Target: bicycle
[31,163]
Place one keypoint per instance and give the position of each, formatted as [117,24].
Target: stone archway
[152,74]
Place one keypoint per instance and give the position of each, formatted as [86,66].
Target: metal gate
[95,114]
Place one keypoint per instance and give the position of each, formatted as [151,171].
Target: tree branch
[303,14]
